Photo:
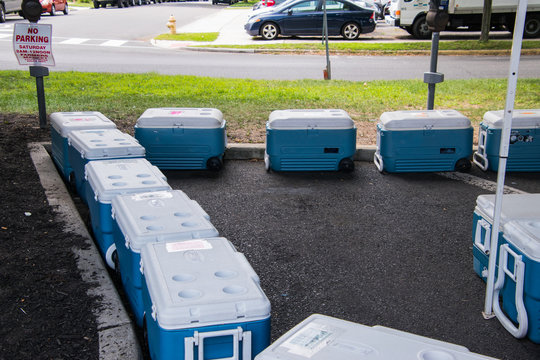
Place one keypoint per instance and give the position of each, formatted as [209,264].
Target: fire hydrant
[172,25]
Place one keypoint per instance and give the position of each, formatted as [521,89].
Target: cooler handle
[479,157]
[484,245]
[238,335]
[378,161]
[517,275]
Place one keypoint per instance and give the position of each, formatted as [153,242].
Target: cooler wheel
[214,164]
[346,165]
[463,165]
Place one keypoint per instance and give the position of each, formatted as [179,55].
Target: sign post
[32,46]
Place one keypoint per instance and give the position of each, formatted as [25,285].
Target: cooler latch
[238,335]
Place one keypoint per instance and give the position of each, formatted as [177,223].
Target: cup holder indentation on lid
[436,355]
[154,228]
[143,175]
[124,143]
[184,277]
[190,224]
[182,214]
[148,217]
[114,177]
[225,274]
[190,294]
[95,140]
[101,145]
[119,183]
[120,139]
[535,224]
[234,290]
[148,182]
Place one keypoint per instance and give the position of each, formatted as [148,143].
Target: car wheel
[96,4]
[120,4]
[269,31]
[2,14]
[66,8]
[420,28]
[53,10]
[351,31]
[138,2]
[532,27]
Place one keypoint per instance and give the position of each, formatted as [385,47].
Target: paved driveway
[393,250]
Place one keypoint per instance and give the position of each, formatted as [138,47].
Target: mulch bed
[46,311]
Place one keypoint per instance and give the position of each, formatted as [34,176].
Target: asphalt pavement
[376,249]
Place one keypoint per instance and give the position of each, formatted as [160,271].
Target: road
[117,40]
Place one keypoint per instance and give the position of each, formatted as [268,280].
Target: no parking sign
[32,44]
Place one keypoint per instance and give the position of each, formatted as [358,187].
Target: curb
[117,339]
[256,151]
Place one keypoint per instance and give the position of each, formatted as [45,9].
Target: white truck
[463,14]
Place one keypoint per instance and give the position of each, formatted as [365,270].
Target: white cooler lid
[521,119]
[514,207]
[424,119]
[298,119]
[322,337]
[202,282]
[109,178]
[206,118]
[105,143]
[160,216]
[65,122]
[525,235]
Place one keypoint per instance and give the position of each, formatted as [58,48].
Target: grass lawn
[246,104]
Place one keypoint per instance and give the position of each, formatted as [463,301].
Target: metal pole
[503,153]
[325,35]
[39,72]
[433,68]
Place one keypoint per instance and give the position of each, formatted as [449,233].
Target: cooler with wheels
[514,207]
[202,300]
[144,218]
[62,123]
[321,337]
[423,141]
[109,178]
[98,144]
[183,138]
[518,279]
[310,140]
[524,147]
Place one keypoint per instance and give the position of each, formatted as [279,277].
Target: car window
[304,6]
[332,5]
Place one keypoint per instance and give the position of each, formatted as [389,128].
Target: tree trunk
[486,21]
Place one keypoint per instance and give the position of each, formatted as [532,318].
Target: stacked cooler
[98,144]
[109,178]
[524,147]
[183,138]
[62,123]
[144,218]
[423,141]
[322,337]
[202,300]
[310,140]
[518,259]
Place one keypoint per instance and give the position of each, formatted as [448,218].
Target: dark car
[305,17]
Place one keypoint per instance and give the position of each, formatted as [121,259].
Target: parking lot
[392,250]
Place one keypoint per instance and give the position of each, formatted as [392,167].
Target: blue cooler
[322,337]
[183,138]
[524,149]
[144,218]
[518,279]
[202,300]
[423,141]
[109,178]
[89,145]
[62,123]
[310,140]
[514,207]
